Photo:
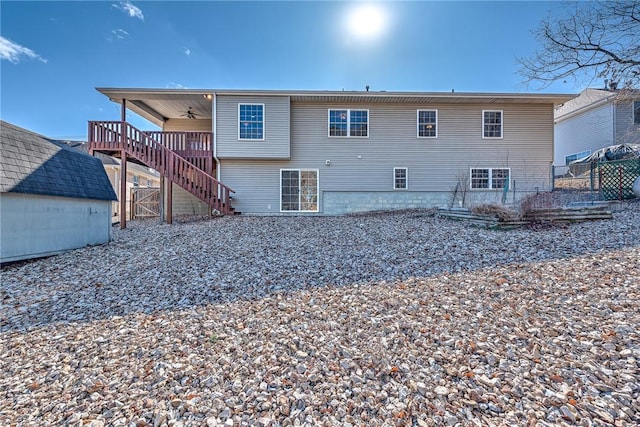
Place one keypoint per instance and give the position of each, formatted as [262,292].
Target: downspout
[613,115]
[215,136]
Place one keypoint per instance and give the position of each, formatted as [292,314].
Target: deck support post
[123,111]
[162,196]
[169,201]
[123,189]
[169,180]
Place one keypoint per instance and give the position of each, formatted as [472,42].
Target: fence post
[619,182]
[600,180]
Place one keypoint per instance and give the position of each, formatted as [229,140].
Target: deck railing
[147,147]
[196,147]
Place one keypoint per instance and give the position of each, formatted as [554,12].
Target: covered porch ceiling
[158,105]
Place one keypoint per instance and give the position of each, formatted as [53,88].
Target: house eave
[141,97]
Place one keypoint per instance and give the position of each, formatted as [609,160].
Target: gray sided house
[326,152]
[596,119]
[52,198]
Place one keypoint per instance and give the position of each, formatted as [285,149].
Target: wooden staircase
[119,138]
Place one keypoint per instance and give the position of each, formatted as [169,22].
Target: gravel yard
[393,319]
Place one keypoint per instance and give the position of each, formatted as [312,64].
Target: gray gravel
[388,319]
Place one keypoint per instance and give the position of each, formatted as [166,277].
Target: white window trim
[406,173]
[418,124]
[264,120]
[578,155]
[349,110]
[490,179]
[501,124]
[317,171]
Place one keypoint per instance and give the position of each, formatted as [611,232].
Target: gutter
[583,109]
[215,135]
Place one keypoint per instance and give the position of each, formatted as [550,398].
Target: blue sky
[53,54]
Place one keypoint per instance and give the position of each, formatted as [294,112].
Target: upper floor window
[251,121]
[636,112]
[427,123]
[349,123]
[492,124]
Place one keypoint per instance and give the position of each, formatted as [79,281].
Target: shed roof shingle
[33,164]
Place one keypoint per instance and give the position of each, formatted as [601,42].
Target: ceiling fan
[189,114]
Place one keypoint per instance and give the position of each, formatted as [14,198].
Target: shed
[52,198]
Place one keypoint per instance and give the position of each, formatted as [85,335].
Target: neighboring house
[138,176]
[324,152]
[51,198]
[596,119]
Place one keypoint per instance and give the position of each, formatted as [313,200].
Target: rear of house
[320,152]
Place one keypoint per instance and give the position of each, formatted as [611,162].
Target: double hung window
[349,123]
[492,124]
[251,121]
[427,123]
[490,178]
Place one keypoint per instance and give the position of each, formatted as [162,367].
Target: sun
[366,21]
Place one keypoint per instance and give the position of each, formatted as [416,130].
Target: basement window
[400,178]
[490,178]
[299,190]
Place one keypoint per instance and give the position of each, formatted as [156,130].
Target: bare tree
[594,40]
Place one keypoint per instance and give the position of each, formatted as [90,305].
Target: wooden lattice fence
[617,177]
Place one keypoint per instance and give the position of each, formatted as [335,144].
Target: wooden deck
[183,158]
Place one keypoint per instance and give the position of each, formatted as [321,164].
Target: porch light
[207,96]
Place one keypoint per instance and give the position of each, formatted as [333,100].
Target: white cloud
[172,85]
[128,8]
[119,33]
[187,51]
[13,52]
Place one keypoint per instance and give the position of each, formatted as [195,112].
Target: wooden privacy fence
[145,202]
[616,178]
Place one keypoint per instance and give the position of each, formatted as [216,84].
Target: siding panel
[435,165]
[626,131]
[591,130]
[276,144]
[196,125]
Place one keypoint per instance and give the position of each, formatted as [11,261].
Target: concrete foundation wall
[32,226]
[344,202]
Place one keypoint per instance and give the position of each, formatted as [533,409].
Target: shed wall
[34,226]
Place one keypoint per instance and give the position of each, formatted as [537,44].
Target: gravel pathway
[378,320]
